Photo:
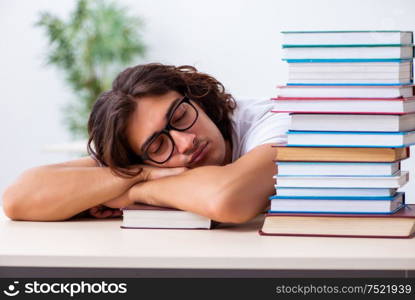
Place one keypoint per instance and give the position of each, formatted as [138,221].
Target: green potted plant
[97,41]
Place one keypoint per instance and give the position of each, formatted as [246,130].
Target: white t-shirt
[254,124]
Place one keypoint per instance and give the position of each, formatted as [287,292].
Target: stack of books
[352,110]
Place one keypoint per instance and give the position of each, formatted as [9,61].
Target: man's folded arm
[234,193]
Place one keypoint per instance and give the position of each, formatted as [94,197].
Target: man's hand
[151,173]
[148,173]
[101,212]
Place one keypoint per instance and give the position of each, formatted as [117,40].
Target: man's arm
[60,191]
[234,193]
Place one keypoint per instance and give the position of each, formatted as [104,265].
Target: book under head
[141,216]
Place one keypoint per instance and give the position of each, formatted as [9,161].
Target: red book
[398,225]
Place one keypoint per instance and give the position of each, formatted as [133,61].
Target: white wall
[236,41]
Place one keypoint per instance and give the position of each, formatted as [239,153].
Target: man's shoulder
[250,109]
[249,104]
[255,124]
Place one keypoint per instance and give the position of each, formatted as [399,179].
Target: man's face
[150,117]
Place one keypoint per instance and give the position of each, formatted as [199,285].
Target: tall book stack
[352,107]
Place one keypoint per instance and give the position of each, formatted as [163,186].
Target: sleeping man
[167,136]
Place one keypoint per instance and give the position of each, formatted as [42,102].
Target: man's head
[164,116]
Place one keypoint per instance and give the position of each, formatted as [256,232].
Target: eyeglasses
[161,147]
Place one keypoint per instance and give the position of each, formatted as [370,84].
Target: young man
[167,136]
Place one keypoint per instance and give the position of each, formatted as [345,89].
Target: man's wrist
[140,192]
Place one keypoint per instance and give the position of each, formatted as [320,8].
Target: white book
[337,205]
[352,122]
[395,181]
[346,37]
[403,52]
[350,139]
[333,192]
[339,91]
[336,169]
[349,76]
[333,80]
[333,76]
[344,105]
[404,67]
[145,216]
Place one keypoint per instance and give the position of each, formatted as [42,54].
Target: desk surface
[91,243]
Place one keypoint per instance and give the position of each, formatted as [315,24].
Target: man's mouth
[199,154]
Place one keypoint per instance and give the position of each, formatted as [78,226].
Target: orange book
[339,154]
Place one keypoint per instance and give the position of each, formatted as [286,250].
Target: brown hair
[107,125]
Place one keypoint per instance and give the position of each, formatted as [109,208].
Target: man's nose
[184,141]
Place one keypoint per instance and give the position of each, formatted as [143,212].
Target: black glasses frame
[166,131]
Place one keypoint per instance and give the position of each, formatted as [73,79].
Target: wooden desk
[91,247]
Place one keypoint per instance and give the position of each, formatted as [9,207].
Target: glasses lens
[184,116]
[160,149]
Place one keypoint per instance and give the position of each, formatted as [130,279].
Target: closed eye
[180,118]
[156,146]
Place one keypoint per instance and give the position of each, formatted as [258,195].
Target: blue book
[314,192]
[396,181]
[338,205]
[350,139]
